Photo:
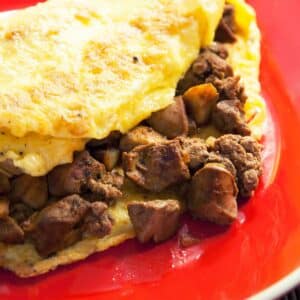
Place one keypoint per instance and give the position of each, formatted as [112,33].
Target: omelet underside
[25,261]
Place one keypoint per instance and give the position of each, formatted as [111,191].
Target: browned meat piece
[85,175]
[33,191]
[101,191]
[199,101]
[20,212]
[10,231]
[49,228]
[244,153]
[171,121]
[208,64]
[4,207]
[219,159]
[97,223]
[228,117]
[4,184]
[156,219]
[189,80]
[72,178]
[225,32]
[238,148]
[71,238]
[156,167]
[248,182]
[108,188]
[229,88]
[251,146]
[109,157]
[111,141]
[141,135]
[212,195]
[115,178]
[218,49]
[196,149]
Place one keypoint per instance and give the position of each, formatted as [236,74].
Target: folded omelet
[73,70]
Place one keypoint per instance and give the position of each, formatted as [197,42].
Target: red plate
[258,250]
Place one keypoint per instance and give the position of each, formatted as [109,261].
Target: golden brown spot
[14,35]
[82,19]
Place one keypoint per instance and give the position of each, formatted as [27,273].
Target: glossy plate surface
[261,248]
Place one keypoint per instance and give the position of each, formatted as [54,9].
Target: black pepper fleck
[135,59]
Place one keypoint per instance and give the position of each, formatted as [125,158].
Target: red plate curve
[258,250]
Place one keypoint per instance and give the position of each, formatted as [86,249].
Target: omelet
[125,61]
[73,69]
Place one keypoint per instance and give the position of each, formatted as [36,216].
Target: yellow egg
[244,57]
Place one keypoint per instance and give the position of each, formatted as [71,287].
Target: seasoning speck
[135,59]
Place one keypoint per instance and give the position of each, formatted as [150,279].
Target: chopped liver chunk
[33,191]
[196,150]
[20,211]
[10,231]
[219,49]
[83,175]
[108,188]
[210,64]
[229,88]
[244,153]
[171,121]
[225,32]
[97,223]
[212,194]
[219,159]
[228,117]
[49,228]
[156,219]
[156,167]
[72,178]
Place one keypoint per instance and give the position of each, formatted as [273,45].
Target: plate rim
[280,287]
